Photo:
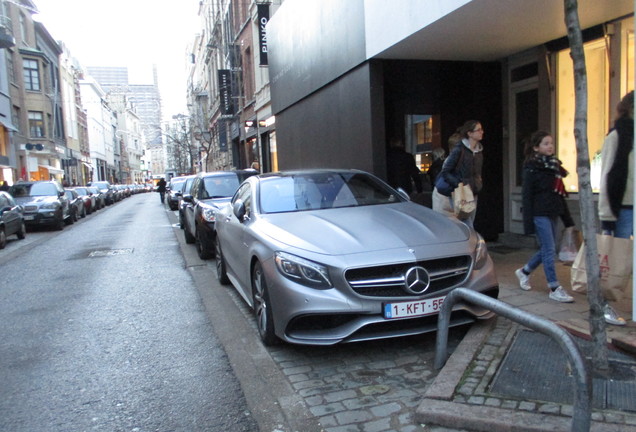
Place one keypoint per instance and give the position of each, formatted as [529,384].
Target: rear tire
[189,238]
[3,238]
[221,270]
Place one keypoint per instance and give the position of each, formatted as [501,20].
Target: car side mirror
[187,198]
[239,210]
[403,194]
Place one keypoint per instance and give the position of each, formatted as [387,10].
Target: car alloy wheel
[203,252]
[221,272]
[3,238]
[262,306]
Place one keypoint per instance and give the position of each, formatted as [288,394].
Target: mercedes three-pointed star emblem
[416,280]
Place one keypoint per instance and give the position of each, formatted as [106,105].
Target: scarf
[617,175]
[551,163]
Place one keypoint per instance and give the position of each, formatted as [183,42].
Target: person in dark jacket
[161,188]
[401,169]
[543,201]
[463,165]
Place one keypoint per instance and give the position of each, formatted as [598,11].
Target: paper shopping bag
[463,201]
[615,262]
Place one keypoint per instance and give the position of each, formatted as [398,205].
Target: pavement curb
[440,406]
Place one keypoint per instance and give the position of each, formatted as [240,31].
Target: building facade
[348,90]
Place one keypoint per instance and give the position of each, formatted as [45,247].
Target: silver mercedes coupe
[330,256]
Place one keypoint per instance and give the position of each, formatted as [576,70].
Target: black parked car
[76,204]
[209,191]
[106,189]
[185,189]
[11,219]
[174,190]
[44,203]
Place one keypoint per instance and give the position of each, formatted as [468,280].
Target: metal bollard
[581,417]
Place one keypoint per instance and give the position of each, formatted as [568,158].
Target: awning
[7,123]
[52,169]
[87,165]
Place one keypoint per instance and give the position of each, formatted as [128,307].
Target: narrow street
[102,329]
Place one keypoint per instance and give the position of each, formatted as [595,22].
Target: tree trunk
[586,199]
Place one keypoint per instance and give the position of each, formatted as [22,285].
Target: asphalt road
[103,329]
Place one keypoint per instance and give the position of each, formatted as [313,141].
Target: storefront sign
[225,85]
[263,18]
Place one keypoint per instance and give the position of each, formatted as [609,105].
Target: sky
[131,33]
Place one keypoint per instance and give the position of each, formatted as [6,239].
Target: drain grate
[535,367]
[110,252]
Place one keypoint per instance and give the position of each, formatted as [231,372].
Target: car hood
[35,199]
[363,229]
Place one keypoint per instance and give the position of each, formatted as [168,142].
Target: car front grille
[388,280]
[30,209]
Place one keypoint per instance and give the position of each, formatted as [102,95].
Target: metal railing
[581,417]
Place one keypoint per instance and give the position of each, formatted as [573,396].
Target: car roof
[289,173]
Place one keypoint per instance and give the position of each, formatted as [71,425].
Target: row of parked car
[48,203]
[331,256]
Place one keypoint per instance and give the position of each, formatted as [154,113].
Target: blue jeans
[624,223]
[545,227]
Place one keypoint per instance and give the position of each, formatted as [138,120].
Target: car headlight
[481,252]
[302,271]
[207,214]
[49,206]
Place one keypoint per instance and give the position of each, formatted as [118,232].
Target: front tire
[22,233]
[262,306]
[3,238]
[189,238]
[221,270]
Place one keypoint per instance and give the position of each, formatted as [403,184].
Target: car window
[244,194]
[219,186]
[43,189]
[314,191]
[187,189]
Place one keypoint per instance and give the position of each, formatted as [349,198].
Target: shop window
[597,111]
[422,137]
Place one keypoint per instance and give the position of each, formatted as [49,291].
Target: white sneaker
[611,317]
[524,280]
[560,295]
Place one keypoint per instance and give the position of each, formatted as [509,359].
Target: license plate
[413,308]
[29,217]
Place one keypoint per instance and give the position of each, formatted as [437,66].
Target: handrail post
[581,417]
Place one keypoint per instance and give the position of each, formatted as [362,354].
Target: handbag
[615,261]
[463,201]
[442,186]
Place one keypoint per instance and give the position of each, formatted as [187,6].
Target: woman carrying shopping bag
[616,196]
[463,165]
[543,201]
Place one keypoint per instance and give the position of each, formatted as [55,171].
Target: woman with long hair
[543,200]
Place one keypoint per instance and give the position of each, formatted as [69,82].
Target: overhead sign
[263,19]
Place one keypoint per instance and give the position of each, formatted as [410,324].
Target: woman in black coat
[543,204]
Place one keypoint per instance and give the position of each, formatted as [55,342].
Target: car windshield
[176,185]
[34,189]
[220,186]
[312,191]
[81,191]
[93,189]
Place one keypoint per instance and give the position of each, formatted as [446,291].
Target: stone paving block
[340,395]
[476,400]
[377,425]
[363,402]
[527,406]
[492,402]
[327,421]
[387,364]
[386,409]
[296,370]
[298,378]
[348,417]
[323,410]
[348,428]
[307,384]
[314,400]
